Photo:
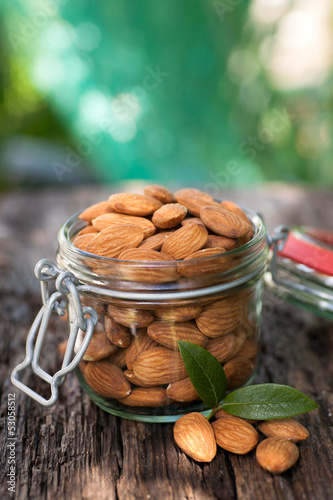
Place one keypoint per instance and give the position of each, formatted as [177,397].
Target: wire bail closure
[66,284]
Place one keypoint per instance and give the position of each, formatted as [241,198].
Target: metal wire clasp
[86,320]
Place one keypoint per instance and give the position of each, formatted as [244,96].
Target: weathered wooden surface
[75,450]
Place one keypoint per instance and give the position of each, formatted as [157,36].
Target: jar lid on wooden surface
[301,268]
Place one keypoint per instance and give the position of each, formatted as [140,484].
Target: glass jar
[126,317]
[132,367]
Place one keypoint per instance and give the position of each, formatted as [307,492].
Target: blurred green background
[211,92]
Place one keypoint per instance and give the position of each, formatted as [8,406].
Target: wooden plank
[75,450]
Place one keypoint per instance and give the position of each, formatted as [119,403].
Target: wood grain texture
[75,450]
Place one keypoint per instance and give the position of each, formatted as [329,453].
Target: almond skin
[146,396]
[184,241]
[119,358]
[161,193]
[154,242]
[164,271]
[130,317]
[235,435]
[159,366]
[182,391]
[112,241]
[285,428]
[107,379]
[249,349]
[95,210]
[221,414]
[134,204]
[83,241]
[195,203]
[169,215]
[99,348]
[129,374]
[107,220]
[177,314]
[220,317]
[276,455]
[193,192]
[222,348]
[194,435]
[168,334]
[215,241]
[116,333]
[192,220]
[232,207]
[206,267]
[87,230]
[238,371]
[141,342]
[223,222]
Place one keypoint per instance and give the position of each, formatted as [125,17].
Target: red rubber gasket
[308,253]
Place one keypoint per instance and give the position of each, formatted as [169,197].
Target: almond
[95,210]
[108,220]
[129,374]
[232,207]
[220,317]
[140,343]
[130,317]
[168,334]
[184,241]
[194,192]
[164,271]
[277,455]
[221,414]
[163,194]
[194,203]
[249,349]
[286,428]
[238,371]
[177,313]
[169,215]
[205,267]
[83,241]
[87,230]
[194,435]
[119,358]
[107,379]
[182,391]
[141,396]
[116,333]
[235,435]
[192,220]
[222,347]
[223,222]
[154,242]
[215,241]
[99,348]
[112,241]
[159,366]
[134,204]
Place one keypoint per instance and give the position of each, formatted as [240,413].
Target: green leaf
[205,372]
[267,402]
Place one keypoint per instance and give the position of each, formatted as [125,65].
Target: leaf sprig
[259,402]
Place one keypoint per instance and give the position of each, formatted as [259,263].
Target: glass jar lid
[301,268]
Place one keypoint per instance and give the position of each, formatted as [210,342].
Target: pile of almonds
[133,356]
[198,438]
[160,226]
